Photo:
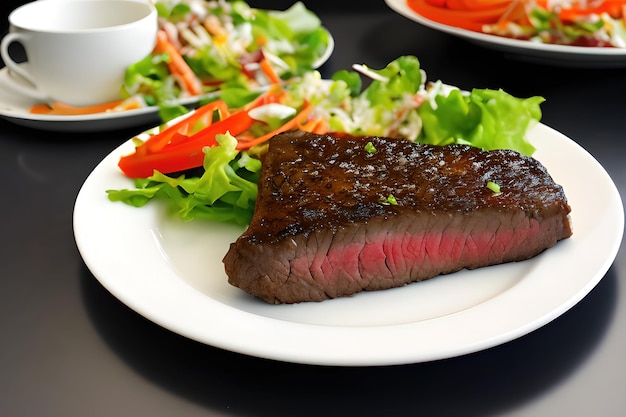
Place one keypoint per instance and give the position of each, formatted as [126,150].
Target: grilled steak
[339,215]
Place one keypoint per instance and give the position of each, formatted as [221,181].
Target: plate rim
[247,333]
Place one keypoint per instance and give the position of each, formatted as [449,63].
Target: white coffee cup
[77,51]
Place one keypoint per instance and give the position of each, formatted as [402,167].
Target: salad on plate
[206,47]
[206,164]
[588,23]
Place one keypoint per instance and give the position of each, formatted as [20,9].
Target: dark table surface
[69,348]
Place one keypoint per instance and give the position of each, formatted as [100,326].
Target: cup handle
[18,69]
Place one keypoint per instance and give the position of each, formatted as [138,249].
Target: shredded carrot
[177,65]
[318,126]
[292,124]
[269,72]
[273,95]
[261,40]
[64,109]
[516,12]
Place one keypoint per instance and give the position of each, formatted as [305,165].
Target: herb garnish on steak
[339,215]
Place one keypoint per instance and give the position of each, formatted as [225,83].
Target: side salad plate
[171,272]
[560,55]
[15,107]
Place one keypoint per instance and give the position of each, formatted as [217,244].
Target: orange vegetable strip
[261,40]
[314,126]
[64,109]
[273,95]
[178,65]
[290,125]
[269,72]
[322,127]
[613,7]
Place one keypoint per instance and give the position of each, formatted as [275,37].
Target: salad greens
[397,102]
[565,22]
[596,23]
[487,119]
[223,44]
[226,190]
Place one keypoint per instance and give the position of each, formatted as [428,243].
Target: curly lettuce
[226,191]
[397,102]
[486,119]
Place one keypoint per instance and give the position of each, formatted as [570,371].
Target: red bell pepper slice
[187,152]
[180,146]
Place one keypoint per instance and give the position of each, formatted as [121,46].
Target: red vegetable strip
[167,162]
[143,167]
[235,124]
[465,19]
[186,154]
[437,3]
[177,65]
[178,148]
[478,4]
[157,142]
[206,119]
[615,8]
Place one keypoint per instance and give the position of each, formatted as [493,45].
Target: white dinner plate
[171,272]
[15,108]
[559,55]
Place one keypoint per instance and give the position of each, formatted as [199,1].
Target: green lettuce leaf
[487,119]
[402,76]
[225,192]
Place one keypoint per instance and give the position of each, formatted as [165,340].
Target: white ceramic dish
[171,272]
[558,55]
[15,108]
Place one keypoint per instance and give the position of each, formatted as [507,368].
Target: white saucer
[15,108]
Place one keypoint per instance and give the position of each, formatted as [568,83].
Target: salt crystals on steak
[339,215]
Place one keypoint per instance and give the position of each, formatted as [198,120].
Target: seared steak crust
[335,216]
